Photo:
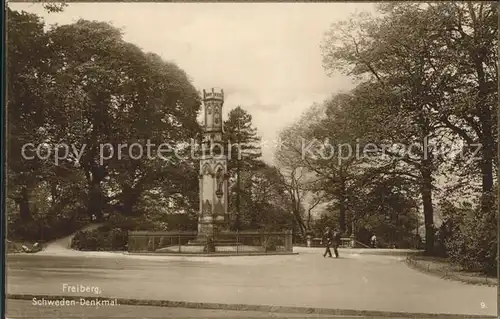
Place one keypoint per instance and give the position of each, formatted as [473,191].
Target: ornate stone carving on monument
[209,117]
[206,170]
[216,116]
[219,208]
[207,208]
[220,183]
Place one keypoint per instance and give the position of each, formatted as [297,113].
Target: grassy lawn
[444,268]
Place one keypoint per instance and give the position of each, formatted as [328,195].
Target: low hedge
[114,235]
[101,239]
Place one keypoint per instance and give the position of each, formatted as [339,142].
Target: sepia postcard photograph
[251,160]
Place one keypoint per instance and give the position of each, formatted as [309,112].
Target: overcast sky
[265,56]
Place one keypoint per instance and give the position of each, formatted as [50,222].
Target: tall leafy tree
[127,96]
[373,50]
[465,48]
[435,86]
[27,104]
[297,174]
[264,201]
[243,153]
[88,88]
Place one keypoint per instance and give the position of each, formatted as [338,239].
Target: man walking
[336,242]
[328,238]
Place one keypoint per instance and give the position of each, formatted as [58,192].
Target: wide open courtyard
[354,281]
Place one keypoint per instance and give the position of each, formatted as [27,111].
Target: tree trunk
[487,155]
[95,201]
[487,198]
[342,213]
[129,198]
[238,182]
[487,150]
[486,138]
[426,191]
[128,205]
[24,204]
[300,224]
[342,203]
[96,197]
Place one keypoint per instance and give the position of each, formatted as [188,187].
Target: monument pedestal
[210,231]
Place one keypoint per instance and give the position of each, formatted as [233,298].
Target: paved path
[354,281]
[62,246]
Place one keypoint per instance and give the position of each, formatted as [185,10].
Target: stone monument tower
[213,168]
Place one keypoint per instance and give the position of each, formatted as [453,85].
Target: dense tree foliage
[243,152]
[422,114]
[83,91]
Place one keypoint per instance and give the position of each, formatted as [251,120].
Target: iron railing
[244,242]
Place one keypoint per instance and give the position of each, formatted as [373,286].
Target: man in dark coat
[336,242]
[328,239]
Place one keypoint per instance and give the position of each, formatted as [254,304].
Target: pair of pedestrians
[332,239]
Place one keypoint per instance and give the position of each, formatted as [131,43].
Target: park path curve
[62,246]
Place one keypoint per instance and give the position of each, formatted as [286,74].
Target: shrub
[135,223]
[270,244]
[43,228]
[101,239]
[114,235]
[442,236]
[470,238]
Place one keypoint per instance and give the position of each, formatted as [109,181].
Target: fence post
[265,242]
[237,242]
[285,233]
[154,243]
[179,241]
[285,241]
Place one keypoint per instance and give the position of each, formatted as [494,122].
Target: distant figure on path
[418,241]
[373,241]
[328,239]
[336,242]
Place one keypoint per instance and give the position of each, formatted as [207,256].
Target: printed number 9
[483,305]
